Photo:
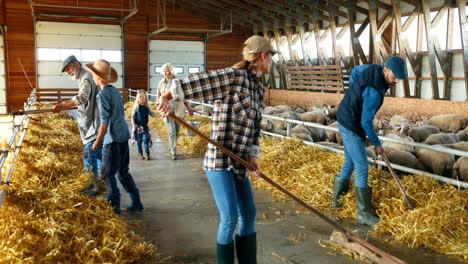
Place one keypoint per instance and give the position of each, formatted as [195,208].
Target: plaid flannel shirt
[237,96]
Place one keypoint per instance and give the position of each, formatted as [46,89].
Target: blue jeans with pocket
[355,158]
[92,158]
[116,159]
[142,139]
[235,201]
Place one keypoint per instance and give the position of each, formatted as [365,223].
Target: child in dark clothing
[140,113]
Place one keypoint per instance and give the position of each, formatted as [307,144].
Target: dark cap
[398,67]
[69,60]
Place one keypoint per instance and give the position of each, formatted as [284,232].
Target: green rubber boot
[246,249]
[225,254]
[363,201]
[340,188]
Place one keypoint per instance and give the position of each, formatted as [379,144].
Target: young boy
[114,131]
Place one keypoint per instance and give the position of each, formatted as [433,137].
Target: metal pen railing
[382,138]
[22,128]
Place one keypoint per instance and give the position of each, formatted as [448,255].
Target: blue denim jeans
[115,161]
[355,157]
[92,159]
[234,198]
[142,138]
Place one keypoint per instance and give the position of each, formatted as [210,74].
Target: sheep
[421,133]
[284,107]
[397,120]
[299,110]
[300,130]
[403,147]
[331,112]
[460,169]
[448,122]
[271,110]
[463,134]
[386,129]
[203,110]
[266,125]
[315,117]
[334,136]
[436,162]
[303,136]
[442,138]
[462,145]
[403,158]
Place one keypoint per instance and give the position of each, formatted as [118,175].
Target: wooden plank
[335,72]
[327,88]
[402,50]
[317,37]
[337,67]
[464,34]
[374,48]
[332,11]
[315,83]
[298,77]
[430,47]
[351,5]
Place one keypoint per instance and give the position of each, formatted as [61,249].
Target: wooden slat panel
[299,77]
[316,87]
[337,67]
[315,72]
[292,82]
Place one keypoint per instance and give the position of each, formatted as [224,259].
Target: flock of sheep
[449,130]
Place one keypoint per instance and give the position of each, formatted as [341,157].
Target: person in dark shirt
[367,87]
[140,113]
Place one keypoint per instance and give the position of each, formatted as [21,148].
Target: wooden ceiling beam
[215,10]
[237,11]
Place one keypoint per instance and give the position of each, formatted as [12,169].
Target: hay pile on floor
[45,219]
[189,145]
[439,221]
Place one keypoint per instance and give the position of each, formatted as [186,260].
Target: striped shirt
[237,96]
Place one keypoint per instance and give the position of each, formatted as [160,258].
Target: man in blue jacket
[367,87]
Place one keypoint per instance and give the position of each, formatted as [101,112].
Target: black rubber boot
[246,249]
[136,204]
[225,254]
[340,188]
[363,201]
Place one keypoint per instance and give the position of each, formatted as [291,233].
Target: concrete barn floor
[182,220]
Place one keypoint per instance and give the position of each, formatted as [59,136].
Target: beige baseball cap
[257,44]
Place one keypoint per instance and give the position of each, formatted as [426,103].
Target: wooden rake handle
[349,235]
[408,201]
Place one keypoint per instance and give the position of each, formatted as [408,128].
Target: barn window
[45,54]
[193,69]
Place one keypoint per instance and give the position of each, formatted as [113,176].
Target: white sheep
[403,147]
[421,133]
[334,136]
[397,120]
[448,122]
[436,162]
[403,158]
[460,169]
[315,117]
[442,138]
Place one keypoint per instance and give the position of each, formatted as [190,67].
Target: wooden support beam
[317,39]
[332,8]
[271,75]
[374,47]
[464,33]
[353,39]
[430,47]
[305,55]
[401,46]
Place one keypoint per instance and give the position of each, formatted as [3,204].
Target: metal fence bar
[379,162]
[23,127]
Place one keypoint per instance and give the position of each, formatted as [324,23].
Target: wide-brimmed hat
[103,70]
[257,44]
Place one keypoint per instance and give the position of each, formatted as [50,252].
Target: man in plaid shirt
[237,94]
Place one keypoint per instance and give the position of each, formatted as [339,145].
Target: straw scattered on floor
[45,219]
[439,221]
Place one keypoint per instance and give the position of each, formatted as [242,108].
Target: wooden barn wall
[19,46]
[225,50]
[222,51]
